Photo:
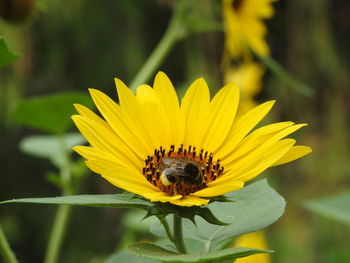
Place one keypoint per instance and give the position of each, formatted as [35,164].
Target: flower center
[181,171]
[237,4]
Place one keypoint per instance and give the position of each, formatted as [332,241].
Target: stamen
[186,171]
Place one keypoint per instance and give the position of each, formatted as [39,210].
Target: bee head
[168,176]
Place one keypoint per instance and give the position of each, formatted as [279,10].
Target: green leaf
[192,246]
[111,200]
[256,207]
[50,146]
[152,251]
[50,113]
[6,55]
[121,257]
[335,207]
[208,216]
[164,209]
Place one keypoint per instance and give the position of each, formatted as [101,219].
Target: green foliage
[112,200]
[152,251]
[50,146]
[50,113]
[257,206]
[6,55]
[335,207]
[162,210]
[120,257]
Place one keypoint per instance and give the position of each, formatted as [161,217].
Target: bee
[179,171]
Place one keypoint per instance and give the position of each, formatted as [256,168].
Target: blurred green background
[70,46]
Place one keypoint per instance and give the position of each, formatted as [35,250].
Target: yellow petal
[99,166]
[256,240]
[222,113]
[160,197]
[156,120]
[170,102]
[234,38]
[256,165]
[261,144]
[83,111]
[131,107]
[95,153]
[294,153]
[190,200]
[242,127]
[122,124]
[258,137]
[100,137]
[194,110]
[129,180]
[219,189]
[256,36]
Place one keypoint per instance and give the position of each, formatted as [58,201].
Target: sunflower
[257,240]
[244,27]
[184,154]
[248,76]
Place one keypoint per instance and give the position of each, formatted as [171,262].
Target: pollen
[181,170]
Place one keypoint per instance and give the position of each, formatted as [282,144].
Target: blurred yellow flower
[253,240]
[150,145]
[244,27]
[248,77]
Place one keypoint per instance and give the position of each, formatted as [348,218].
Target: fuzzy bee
[180,172]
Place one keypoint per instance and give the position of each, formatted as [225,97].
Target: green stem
[174,33]
[57,233]
[280,72]
[63,211]
[5,249]
[166,228]
[65,170]
[178,237]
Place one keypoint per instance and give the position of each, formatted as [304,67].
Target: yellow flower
[253,240]
[244,26]
[151,146]
[248,77]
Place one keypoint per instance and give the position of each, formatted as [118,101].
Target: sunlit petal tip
[267,105]
[235,89]
[94,93]
[199,82]
[271,102]
[91,90]
[296,152]
[163,84]
[161,74]
[120,84]
[202,81]
[76,148]
[77,106]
